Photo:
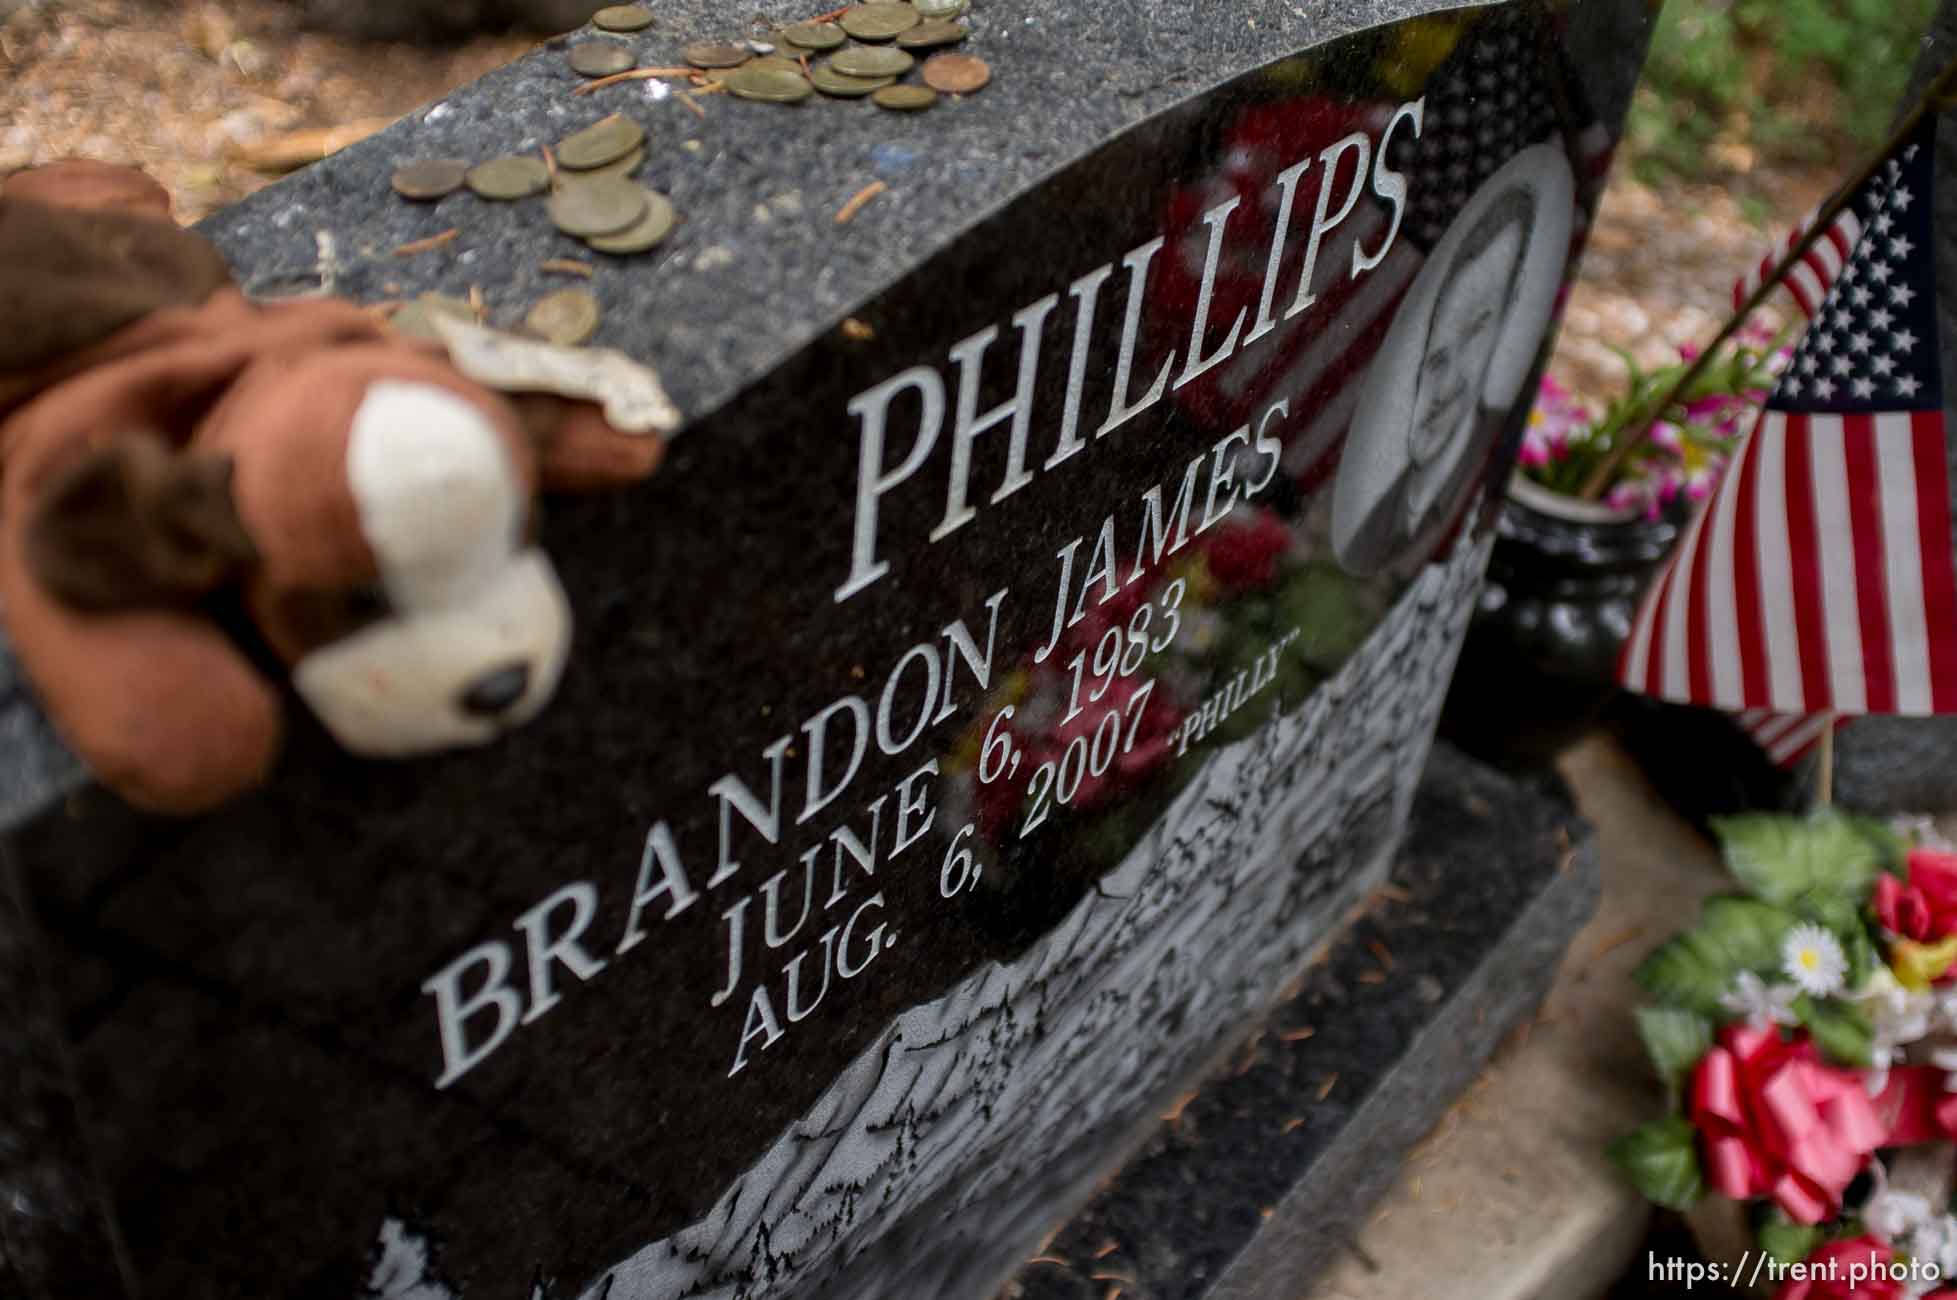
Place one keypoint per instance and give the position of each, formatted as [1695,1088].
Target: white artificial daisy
[1759,1003]
[1898,1018]
[1813,959]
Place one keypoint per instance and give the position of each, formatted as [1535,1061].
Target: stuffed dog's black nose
[494,692]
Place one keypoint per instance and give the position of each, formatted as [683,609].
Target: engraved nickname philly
[490,992]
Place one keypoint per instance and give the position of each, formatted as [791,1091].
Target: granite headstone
[1026,656]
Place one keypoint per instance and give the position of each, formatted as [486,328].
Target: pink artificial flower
[1774,1121]
[1535,448]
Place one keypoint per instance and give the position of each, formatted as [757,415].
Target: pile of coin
[593,197]
[865,51]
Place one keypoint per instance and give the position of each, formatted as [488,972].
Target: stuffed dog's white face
[479,627]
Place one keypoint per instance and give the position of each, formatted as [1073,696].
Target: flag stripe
[1839,607]
[1742,483]
[1807,288]
[1824,259]
[1866,558]
[1781,640]
[1939,582]
[1698,657]
[1811,642]
[1721,610]
[1799,739]
[1894,445]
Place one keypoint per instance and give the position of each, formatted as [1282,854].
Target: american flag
[1819,577]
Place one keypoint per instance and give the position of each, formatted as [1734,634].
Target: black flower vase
[1564,581]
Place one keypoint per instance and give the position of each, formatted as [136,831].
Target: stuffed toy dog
[170,450]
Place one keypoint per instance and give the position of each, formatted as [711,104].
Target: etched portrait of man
[1443,385]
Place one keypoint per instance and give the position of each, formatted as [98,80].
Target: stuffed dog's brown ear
[578,452]
[135,523]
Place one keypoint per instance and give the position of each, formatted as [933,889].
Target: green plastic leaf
[1801,863]
[1749,932]
[1687,972]
[1676,1038]
[1862,956]
[1790,1243]
[1662,1160]
[1891,849]
[1841,1031]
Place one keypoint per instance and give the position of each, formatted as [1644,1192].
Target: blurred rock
[428,20]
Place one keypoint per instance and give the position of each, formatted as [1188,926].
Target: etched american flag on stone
[1820,577]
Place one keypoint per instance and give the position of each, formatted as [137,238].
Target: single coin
[774,85]
[930,35]
[566,318]
[622,18]
[429,178]
[605,205]
[840,85]
[932,9]
[905,98]
[716,54]
[509,178]
[880,20]
[625,166]
[418,317]
[956,74]
[815,36]
[606,140]
[871,61]
[648,232]
[773,63]
[600,58]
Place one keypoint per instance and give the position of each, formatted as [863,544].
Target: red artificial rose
[1842,1270]
[1902,909]
[1861,1268]
[1774,1121]
[1243,554]
[1934,874]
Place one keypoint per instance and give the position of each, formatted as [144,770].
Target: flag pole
[1825,780]
[1931,99]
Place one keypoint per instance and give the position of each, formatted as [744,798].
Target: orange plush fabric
[141,394]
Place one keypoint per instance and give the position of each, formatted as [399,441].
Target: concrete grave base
[1255,1181]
